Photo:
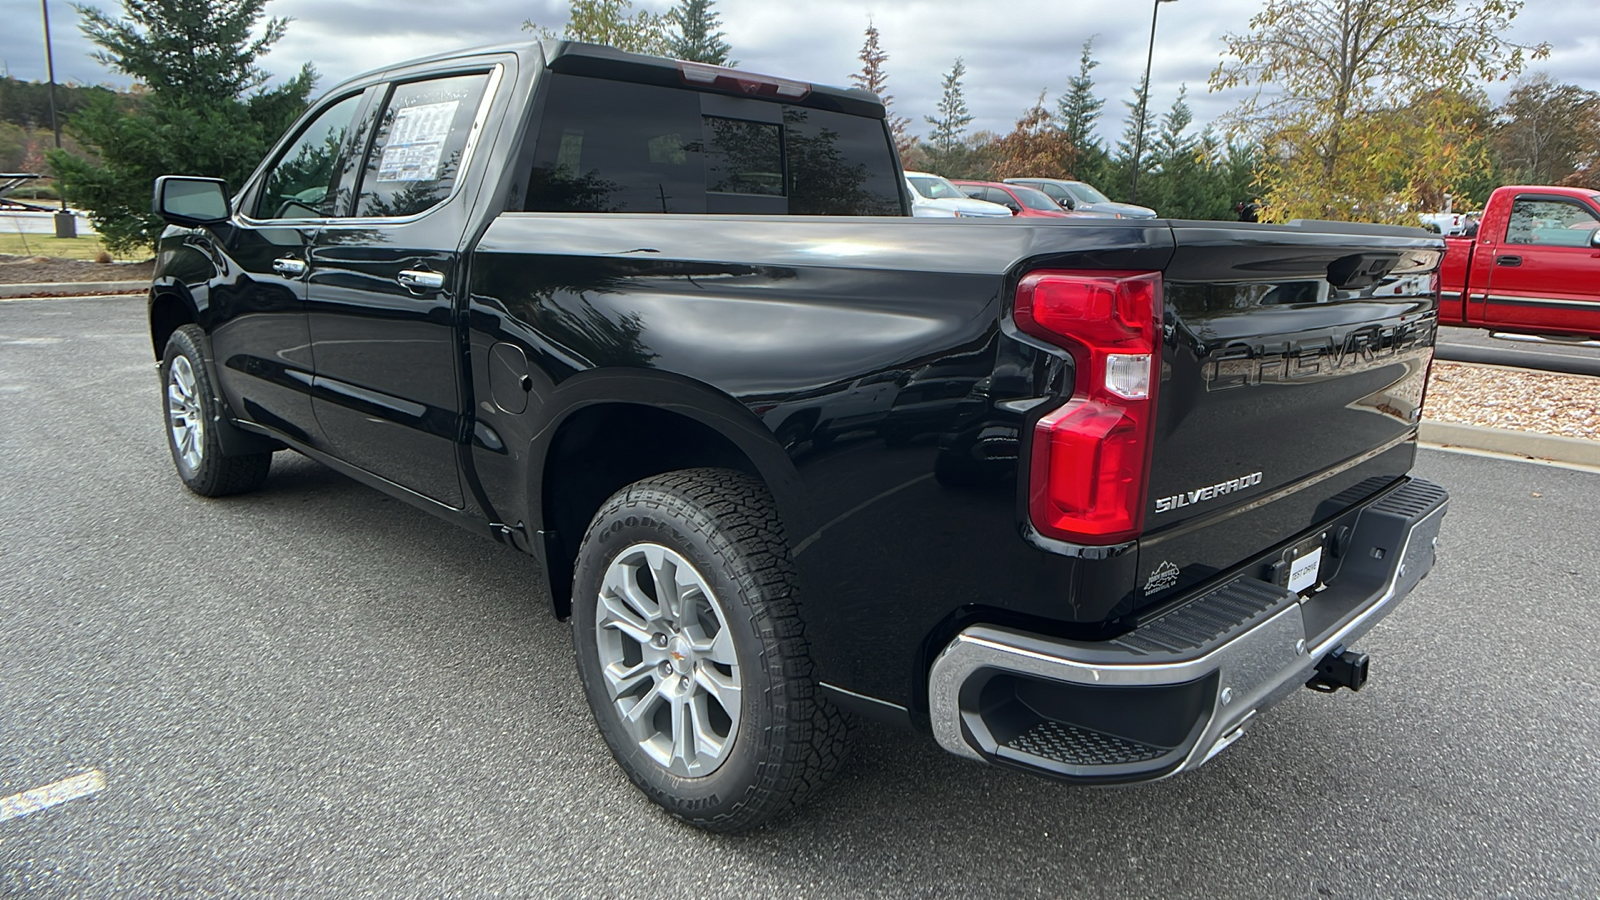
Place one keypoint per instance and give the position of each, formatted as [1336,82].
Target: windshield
[935,188]
[1086,194]
[1033,199]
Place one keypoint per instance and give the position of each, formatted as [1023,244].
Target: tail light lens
[1091,457]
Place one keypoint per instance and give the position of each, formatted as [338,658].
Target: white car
[1448,223]
[934,197]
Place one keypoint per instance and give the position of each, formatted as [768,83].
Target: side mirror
[191,202]
[1594,238]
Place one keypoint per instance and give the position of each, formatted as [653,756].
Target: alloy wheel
[184,414]
[668,659]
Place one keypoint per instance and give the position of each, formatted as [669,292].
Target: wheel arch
[611,430]
[171,307]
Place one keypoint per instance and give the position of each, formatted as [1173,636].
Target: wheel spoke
[665,574]
[183,374]
[637,719]
[720,688]
[682,735]
[623,679]
[705,739]
[624,619]
[623,582]
[720,648]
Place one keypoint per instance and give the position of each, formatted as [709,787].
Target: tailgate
[1292,377]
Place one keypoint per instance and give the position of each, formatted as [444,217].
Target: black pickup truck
[1080,497]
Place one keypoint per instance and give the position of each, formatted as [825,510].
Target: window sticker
[416,142]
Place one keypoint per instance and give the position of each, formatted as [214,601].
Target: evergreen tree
[874,80]
[948,138]
[1178,184]
[697,38]
[1078,109]
[1122,164]
[205,110]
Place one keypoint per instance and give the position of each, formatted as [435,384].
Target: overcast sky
[1012,49]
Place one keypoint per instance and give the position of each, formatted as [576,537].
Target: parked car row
[1083,199]
[936,197]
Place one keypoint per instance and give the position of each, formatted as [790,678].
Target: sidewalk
[72,289]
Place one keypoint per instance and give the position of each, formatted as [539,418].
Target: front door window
[302,183]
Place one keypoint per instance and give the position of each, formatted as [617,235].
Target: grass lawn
[16,244]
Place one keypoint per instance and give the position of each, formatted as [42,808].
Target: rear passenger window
[614,146]
[417,153]
[610,146]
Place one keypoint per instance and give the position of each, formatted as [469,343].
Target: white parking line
[18,805]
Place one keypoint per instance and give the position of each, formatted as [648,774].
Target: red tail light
[1091,456]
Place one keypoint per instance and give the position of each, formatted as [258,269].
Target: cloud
[1033,46]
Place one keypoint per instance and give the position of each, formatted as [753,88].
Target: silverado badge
[1209,492]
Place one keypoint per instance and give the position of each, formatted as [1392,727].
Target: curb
[1515,359]
[1554,448]
[73,288]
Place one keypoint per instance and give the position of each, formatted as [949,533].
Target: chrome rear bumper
[1180,688]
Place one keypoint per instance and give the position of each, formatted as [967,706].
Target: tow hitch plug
[1340,668]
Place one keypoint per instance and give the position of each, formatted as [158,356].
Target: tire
[737,734]
[193,413]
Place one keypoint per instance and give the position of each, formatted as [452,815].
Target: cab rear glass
[625,147]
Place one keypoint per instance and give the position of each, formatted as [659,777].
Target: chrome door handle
[289,268]
[421,280]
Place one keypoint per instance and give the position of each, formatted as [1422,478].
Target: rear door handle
[421,280]
[1508,260]
[289,267]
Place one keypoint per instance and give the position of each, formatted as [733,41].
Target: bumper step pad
[1063,742]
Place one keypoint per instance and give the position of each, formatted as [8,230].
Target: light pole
[66,226]
[1144,98]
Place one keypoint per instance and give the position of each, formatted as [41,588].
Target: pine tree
[874,80]
[1170,141]
[950,129]
[1130,144]
[204,111]
[697,38]
[1078,109]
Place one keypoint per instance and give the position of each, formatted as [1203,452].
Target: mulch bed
[43,269]
[1518,399]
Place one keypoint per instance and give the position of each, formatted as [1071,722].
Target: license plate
[1303,571]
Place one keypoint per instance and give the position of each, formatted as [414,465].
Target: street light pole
[1144,98]
[66,226]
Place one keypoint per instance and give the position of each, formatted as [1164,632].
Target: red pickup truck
[1532,267]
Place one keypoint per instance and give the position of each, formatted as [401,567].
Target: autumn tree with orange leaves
[1368,109]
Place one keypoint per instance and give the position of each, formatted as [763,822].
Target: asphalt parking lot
[317,691]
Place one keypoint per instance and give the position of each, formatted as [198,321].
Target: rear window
[621,147]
